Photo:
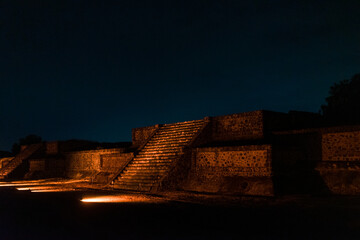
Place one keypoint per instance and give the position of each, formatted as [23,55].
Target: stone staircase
[155,159]
[18,159]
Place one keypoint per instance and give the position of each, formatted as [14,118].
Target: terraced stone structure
[254,153]
[229,154]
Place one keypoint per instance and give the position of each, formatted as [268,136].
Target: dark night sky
[95,69]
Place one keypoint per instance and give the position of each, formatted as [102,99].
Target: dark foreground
[26,215]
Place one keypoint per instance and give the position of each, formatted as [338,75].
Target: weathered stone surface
[341,146]
[89,162]
[342,181]
[140,135]
[238,170]
[340,165]
[239,126]
[252,153]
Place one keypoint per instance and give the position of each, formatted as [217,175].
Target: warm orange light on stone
[121,199]
[44,188]
[53,190]
[38,183]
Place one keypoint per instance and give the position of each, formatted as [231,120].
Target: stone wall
[239,126]
[341,146]
[101,162]
[233,161]
[84,163]
[340,165]
[37,165]
[112,162]
[142,134]
[241,169]
[49,167]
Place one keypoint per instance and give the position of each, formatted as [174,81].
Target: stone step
[163,146]
[149,167]
[163,163]
[182,125]
[179,129]
[154,176]
[144,177]
[155,163]
[185,122]
[173,137]
[181,132]
[144,171]
[152,166]
[177,139]
[161,152]
[168,144]
[139,180]
[157,156]
[154,158]
[167,139]
[177,133]
[168,152]
[133,187]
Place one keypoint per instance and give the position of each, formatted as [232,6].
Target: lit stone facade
[253,153]
[340,163]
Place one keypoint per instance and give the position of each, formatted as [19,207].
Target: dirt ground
[95,214]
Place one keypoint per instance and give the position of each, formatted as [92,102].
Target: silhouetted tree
[29,139]
[343,104]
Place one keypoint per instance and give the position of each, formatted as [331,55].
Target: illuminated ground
[36,213]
